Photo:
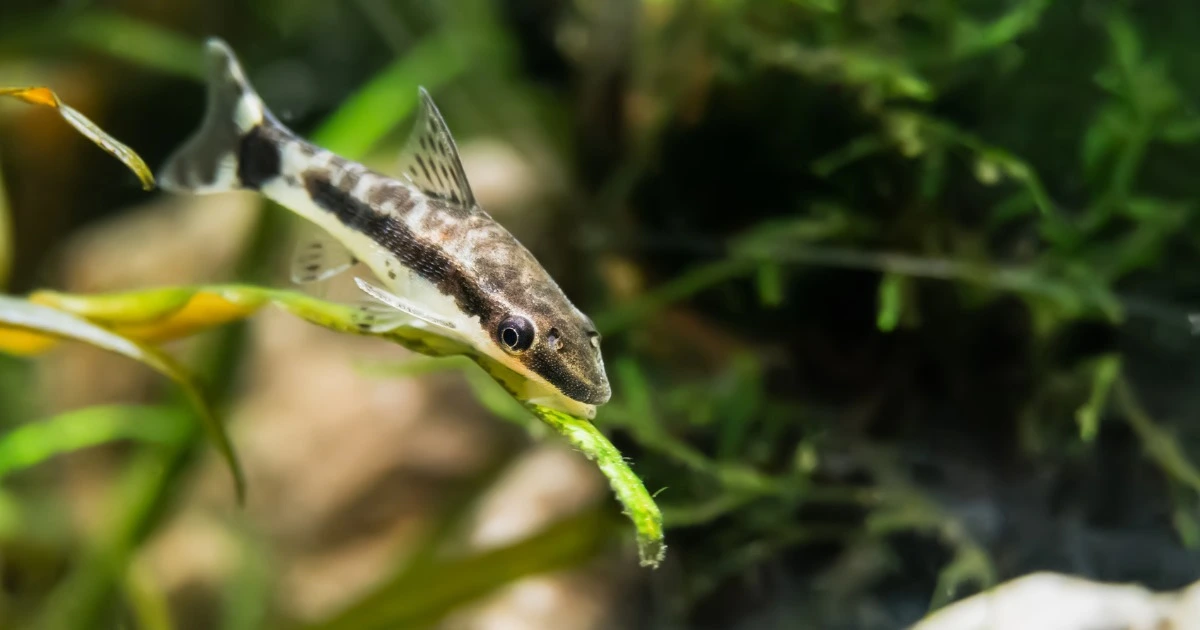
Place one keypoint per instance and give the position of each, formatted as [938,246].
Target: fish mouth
[592,393]
[576,398]
[590,388]
[580,390]
[583,382]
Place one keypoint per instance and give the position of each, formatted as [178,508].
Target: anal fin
[376,317]
[317,256]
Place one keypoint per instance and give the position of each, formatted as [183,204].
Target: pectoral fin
[401,305]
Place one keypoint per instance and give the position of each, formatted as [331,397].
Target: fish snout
[597,392]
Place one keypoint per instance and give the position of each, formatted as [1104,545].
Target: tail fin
[210,161]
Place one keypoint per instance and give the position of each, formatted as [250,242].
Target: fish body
[442,261]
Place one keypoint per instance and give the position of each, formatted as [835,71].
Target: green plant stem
[147,601]
[631,492]
[1160,445]
[85,597]
[1130,159]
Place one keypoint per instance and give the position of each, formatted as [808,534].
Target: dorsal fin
[430,157]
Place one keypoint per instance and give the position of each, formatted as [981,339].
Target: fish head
[544,337]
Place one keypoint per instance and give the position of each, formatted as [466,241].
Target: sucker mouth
[593,395]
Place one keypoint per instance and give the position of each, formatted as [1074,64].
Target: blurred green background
[894,294]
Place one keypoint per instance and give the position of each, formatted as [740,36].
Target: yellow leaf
[45,97]
[17,316]
[20,342]
[131,307]
[202,311]
[157,315]
[32,95]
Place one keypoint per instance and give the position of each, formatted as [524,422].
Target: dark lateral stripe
[258,157]
[428,261]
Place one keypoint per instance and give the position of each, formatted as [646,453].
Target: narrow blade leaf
[31,444]
[157,315]
[46,97]
[420,599]
[23,316]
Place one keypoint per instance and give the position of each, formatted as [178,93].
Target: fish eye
[595,338]
[515,333]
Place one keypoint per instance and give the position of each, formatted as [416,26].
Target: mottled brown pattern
[431,224]
[388,190]
[503,266]
[416,253]
[477,262]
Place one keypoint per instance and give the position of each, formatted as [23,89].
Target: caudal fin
[210,161]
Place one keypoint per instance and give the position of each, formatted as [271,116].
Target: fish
[440,262]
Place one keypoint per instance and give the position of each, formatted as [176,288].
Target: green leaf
[770,284]
[1184,130]
[390,96]
[637,394]
[856,150]
[1088,416]
[891,304]
[32,444]
[1103,137]
[1183,516]
[247,593]
[739,406]
[172,313]
[137,41]
[421,598]
[1016,206]
[681,288]
[1126,45]
[933,174]
[26,316]
[1159,442]
[971,565]
[823,222]
[147,599]
[971,38]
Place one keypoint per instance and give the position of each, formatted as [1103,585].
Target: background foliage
[894,293]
